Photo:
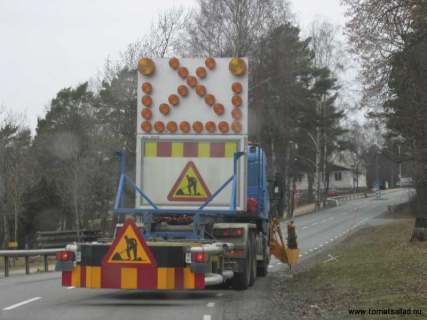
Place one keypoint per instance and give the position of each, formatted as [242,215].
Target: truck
[202,204]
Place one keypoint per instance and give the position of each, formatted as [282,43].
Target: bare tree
[231,28]
[15,169]
[377,30]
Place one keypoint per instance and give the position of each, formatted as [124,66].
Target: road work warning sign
[129,249]
[189,186]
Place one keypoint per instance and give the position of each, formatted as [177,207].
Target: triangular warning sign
[129,249]
[189,186]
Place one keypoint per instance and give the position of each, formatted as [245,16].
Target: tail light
[228,232]
[200,257]
[65,256]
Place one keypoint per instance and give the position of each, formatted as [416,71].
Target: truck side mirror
[278,190]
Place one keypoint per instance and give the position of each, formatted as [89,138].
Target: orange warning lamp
[236,126]
[192,81]
[236,87]
[164,108]
[173,63]
[172,126]
[146,101]
[223,126]
[237,66]
[173,99]
[219,108]
[146,126]
[159,126]
[197,126]
[210,63]
[146,87]
[146,113]
[201,90]
[237,101]
[210,99]
[184,126]
[210,126]
[183,90]
[201,72]
[146,66]
[183,72]
[236,113]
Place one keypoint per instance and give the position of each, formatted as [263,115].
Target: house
[346,174]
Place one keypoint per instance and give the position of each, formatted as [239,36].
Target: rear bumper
[133,278]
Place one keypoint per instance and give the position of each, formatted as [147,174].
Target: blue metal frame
[119,206]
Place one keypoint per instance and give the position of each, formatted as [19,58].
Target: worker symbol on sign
[189,186]
[129,249]
[131,246]
[192,184]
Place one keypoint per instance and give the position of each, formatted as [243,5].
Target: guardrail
[348,197]
[27,254]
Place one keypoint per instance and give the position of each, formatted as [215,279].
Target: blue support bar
[140,192]
[198,230]
[119,192]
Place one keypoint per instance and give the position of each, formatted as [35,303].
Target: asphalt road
[40,296]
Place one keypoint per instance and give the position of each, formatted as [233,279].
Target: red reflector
[228,232]
[199,257]
[65,256]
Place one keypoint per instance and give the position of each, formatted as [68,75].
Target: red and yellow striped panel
[190,149]
[133,278]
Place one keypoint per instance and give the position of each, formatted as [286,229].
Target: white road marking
[336,237]
[320,245]
[344,212]
[304,228]
[219,295]
[70,287]
[270,266]
[300,255]
[314,224]
[315,248]
[347,230]
[22,303]
[311,250]
[280,263]
[207,317]
[211,304]
[326,242]
[324,220]
[305,252]
[331,239]
[331,217]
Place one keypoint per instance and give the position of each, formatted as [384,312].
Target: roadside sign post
[377,190]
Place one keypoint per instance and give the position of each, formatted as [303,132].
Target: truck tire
[262,269]
[253,262]
[241,280]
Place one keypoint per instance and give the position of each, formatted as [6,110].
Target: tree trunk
[317,174]
[6,233]
[419,232]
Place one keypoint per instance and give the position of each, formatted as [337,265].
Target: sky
[48,45]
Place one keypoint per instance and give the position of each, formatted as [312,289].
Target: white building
[346,173]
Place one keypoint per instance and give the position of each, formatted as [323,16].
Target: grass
[378,268]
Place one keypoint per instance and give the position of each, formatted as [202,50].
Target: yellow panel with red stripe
[190,149]
[133,278]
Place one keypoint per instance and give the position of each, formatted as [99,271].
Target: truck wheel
[253,262]
[262,269]
[241,280]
